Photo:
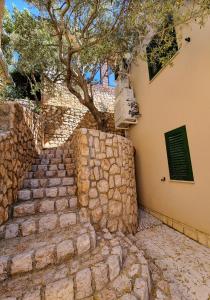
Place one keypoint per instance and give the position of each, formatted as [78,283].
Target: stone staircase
[49,250]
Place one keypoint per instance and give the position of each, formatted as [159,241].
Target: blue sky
[20,4]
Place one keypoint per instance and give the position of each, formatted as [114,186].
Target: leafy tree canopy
[73,38]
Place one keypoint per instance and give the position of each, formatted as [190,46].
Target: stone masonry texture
[63,113]
[105,175]
[20,141]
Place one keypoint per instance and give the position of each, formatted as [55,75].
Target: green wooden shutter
[178,153]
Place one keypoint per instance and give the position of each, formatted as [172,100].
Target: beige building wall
[179,95]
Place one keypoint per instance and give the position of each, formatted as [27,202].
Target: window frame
[174,48]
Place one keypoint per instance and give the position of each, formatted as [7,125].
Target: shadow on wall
[61,122]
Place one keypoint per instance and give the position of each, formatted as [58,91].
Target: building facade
[172,137]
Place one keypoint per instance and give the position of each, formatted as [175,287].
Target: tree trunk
[100,117]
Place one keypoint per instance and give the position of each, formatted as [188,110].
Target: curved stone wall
[106,179]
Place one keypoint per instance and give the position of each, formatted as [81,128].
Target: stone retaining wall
[20,141]
[59,95]
[60,122]
[106,179]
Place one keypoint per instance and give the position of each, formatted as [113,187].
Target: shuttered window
[178,153]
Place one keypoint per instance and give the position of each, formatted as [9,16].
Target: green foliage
[31,42]
[9,91]
[72,38]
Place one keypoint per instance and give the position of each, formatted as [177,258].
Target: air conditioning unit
[126,107]
[122,84]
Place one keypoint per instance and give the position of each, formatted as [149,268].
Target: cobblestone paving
[185,263]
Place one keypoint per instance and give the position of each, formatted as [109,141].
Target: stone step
[50,192]
[113,270]
[53,161]
[55,155]
[48,205]
[41,173]
[56,151]
[26,254]
[53,167]
[48,182]
[35,224]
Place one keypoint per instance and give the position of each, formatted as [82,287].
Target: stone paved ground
[185,264]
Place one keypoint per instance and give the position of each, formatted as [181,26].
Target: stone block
[93,193]
[100,275]
[114,266]
[24,195]
[84,186]
[52,182]
[34,183]
[68,220]
[51,173]
[60,290]
[12,231]
[24,209]
[51,192]
[38,193]
[68,181]
[112,225]
[48,222]
[115,169]
[61,204]
[53,168]
[141,289]
[65,250]
[83,199]
[122,284]
[71,190]
[73,202]
[134,270]
[33,295]
[46,206]
[96,214]
[21,263]
[115,208]
[93,203]
[106,294]
[117,250]
[83,284]
[83,243]
[103,186]
[118,180]
[61,167]
[84,215]
[44,256]
[62,191]
[62,173]
[28,227]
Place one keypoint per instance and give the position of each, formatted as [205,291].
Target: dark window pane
[161,49]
